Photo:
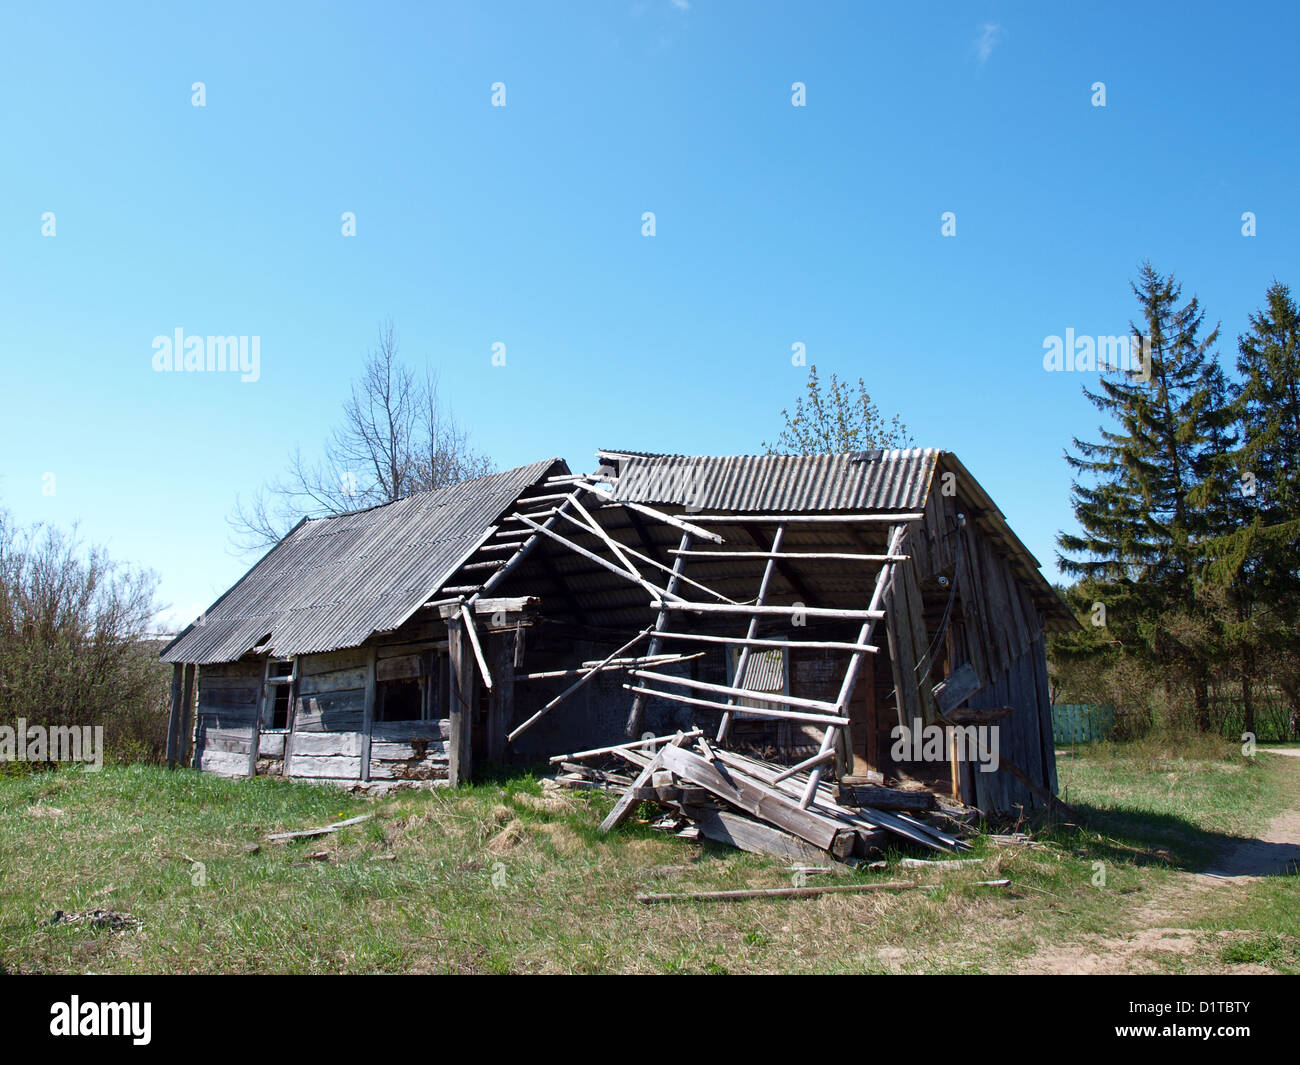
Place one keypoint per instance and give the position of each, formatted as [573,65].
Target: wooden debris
[777,893]
[309,832]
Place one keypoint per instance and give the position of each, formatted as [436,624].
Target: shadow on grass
[1145,838]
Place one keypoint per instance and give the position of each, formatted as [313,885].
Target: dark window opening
[398,700]
[279,717]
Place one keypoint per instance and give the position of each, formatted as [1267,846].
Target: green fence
[1081,723]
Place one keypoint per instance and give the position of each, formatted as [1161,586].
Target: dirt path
[1276,852]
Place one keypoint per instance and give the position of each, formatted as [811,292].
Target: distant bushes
[73,644]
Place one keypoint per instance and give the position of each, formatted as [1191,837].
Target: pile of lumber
[755,805]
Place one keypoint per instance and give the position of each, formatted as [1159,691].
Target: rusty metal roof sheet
[333,582]
[856,481]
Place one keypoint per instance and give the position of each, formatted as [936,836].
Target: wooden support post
[174,721]
[661,622]
[368,712]
[463,703]
[186,732]
[501,701]
[255,737]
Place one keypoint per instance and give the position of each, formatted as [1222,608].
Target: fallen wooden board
[747,834]
[802,892]
[757,798]
[882,798]
[308,832]
[778,893]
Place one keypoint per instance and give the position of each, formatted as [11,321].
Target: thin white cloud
[681,5]
[988,39]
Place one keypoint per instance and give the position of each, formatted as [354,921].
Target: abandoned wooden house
[800,607]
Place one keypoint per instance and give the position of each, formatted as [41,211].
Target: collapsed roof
[333,582]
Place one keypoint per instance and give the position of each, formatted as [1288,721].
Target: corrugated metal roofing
[332,582]
[862,480]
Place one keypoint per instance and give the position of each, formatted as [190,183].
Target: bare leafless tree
[396,438]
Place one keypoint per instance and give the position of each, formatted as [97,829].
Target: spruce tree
[1134,497]
[1262,557]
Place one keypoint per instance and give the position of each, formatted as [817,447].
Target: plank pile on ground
[755,805]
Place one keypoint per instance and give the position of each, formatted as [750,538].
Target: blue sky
[521,225]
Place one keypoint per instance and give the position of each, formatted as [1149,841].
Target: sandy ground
[1276,853]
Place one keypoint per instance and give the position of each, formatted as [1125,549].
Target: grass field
[509,877]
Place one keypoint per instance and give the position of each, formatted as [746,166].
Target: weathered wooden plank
[249,669]
[224,763]
[758,799]
[213,694]
[332,661]
[333,767]
[410,730]
[228,741]
[342,711]
[397,751]
[724,826]
[405,667]
[327,743]
[628,800]
[271,744]
[338,680]
[956,688]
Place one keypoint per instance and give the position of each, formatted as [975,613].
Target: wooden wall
[994,626]
[328,739]
[229,699]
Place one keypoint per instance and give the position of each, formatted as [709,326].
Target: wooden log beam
[769,611]
[795,556]
[616,664]
[618,748]
[654,590]
[747,834]
[658,515]
[647,559]
[780,893]
[804,519]
[824,720]
[468,617]
[775,698]
[792,645]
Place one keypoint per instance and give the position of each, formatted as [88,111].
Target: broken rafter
[468,615]
[634,745]
[650,561]
[684,526]
[615,664]
[654,590]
